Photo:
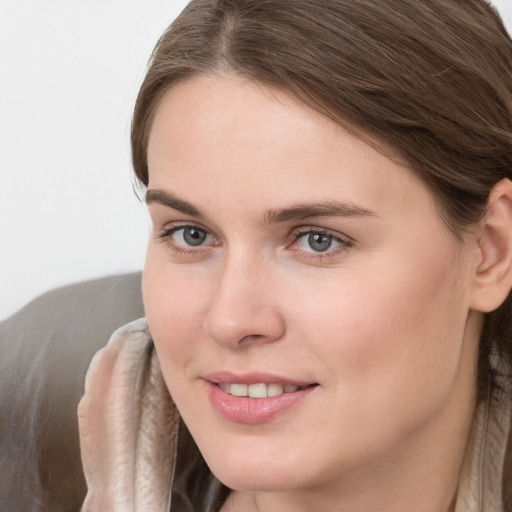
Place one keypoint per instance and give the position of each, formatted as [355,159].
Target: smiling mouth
[255,401]
[260,390]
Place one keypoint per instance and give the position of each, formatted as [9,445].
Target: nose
[244,309]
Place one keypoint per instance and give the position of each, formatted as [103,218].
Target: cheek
[175,308]
[399,327]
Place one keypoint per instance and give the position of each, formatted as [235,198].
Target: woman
[327,281]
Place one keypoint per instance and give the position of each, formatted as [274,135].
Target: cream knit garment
[480,485]
[128,427]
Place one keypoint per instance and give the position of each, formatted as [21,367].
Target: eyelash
[166,238]
[344,242]
[297,235]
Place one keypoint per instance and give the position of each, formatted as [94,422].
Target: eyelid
[165,236]
[345,242]
[170,227]
[305,230]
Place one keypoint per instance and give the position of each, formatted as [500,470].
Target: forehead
[231,112]
[232,136]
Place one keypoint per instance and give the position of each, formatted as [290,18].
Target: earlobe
[493,279]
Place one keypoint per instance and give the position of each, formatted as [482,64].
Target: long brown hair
[430,79]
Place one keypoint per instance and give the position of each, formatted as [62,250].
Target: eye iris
[319,242]
[193,236]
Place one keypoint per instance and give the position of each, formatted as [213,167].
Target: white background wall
[69,74]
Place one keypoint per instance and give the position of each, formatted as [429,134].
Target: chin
[257,469]
[263,479]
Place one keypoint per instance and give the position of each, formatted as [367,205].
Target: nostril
[251,338]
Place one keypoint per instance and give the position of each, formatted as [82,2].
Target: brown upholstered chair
[45,350]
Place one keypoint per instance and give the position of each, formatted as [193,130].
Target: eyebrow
[306,211]
[297,212]
[171,201]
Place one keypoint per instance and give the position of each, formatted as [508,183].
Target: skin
[384,324]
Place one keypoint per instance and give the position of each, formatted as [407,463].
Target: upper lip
[253,378]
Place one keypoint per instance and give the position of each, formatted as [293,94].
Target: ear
[493,279]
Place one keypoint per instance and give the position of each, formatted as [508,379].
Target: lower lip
[253,411]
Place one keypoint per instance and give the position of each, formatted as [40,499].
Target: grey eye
[193,236]
[319,242]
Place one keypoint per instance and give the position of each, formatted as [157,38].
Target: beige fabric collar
[481,480]
[128,427]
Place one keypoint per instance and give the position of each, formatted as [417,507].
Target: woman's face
[292,262]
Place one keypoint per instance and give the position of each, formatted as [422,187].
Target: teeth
[225,386]
[239,389]
[275,389]
[260,390]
